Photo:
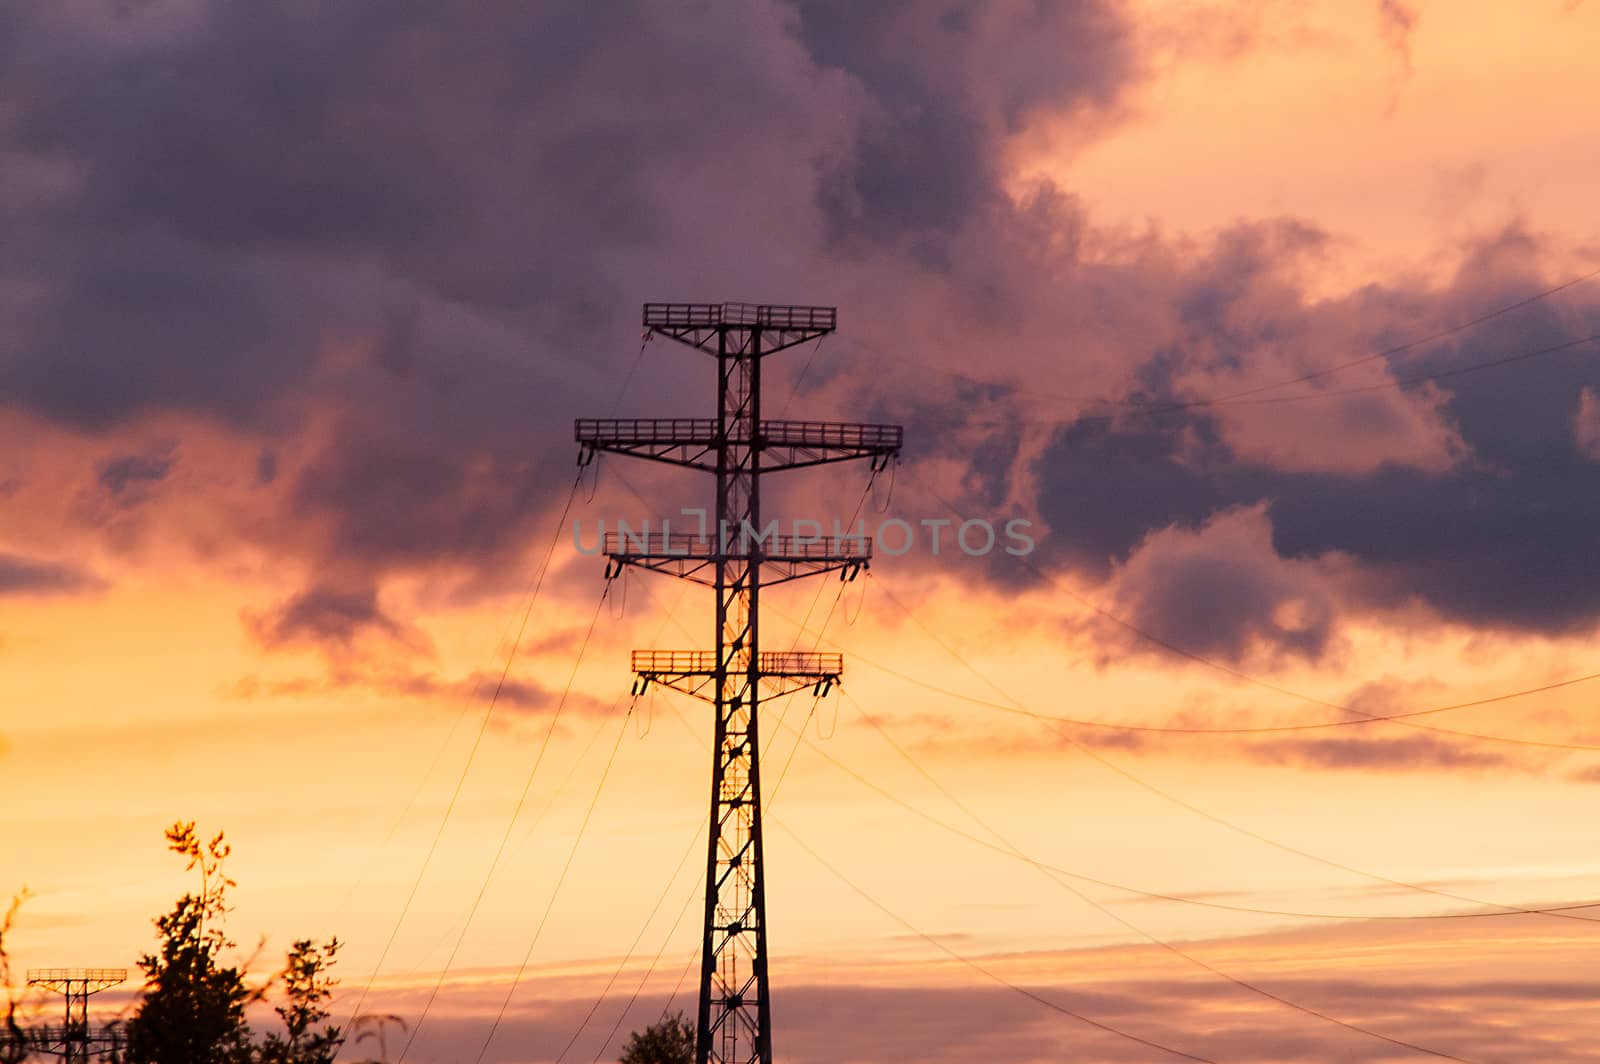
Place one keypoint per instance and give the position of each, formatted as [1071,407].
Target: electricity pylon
[73,1041]
[737,557]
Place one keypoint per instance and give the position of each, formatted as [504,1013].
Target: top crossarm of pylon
[103,977]
[740,328]
[770,315]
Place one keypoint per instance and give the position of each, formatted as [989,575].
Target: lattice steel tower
[737,557]
[73,1041]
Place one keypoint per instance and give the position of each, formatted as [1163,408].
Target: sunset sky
[298,302]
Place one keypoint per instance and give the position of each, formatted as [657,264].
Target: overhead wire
[477,741]
[1011,850]
[561,878]
[1180,899]
[1403,718]
[1176,950]
[505,837]
[621,1018]
[694,844]
[1394,384]
[1225,399]
[1419,378]
[511,654]
[617,974]
[771,799]
[982,969]
[1239,397]
[800,378]
[1267,685]
[454,931]
[1264,729]
[1248,396]
[1236,397]
[1182,803]
[670,616]
[1410,345]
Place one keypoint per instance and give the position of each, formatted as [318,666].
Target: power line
[1167,796]
[555,893]
[670,618]
[965,960]
[772,798]
[472,753]
[544,568]
[800,378]
[1180,899]
[689,900]
[694,843]
[1420,378]
[1153,407]
[1038,999]
[622,1017]
[1256,681]
[1176,950]
[1411,345]
[1398,718]
[505,837]
[1395,384]
[455,930]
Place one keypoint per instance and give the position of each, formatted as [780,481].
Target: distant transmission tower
[737,557]
[73,1041]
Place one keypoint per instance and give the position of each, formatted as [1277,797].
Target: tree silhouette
[668,1041]
[192,1010]
[306,988]
[13,1040]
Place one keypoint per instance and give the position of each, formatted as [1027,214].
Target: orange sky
[149,694]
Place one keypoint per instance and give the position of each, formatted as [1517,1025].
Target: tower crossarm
[779,325]
[781,557]
[798,444]
[73,1040]
[86,980]
[695,672]
[53,1038]
[680,441]
[694,442]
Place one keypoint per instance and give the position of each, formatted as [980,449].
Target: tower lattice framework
[737,556]
[74,1041]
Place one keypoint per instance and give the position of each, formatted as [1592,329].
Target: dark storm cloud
[398,248]
[1223,589]
[1502,538]
[31,576]
[246,181]
[383,239]
[1412,752]
[294,125]
[139,323]
[391,502]
[945,82]
[332,617]
[266,467]
[132,474]
[409,227]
